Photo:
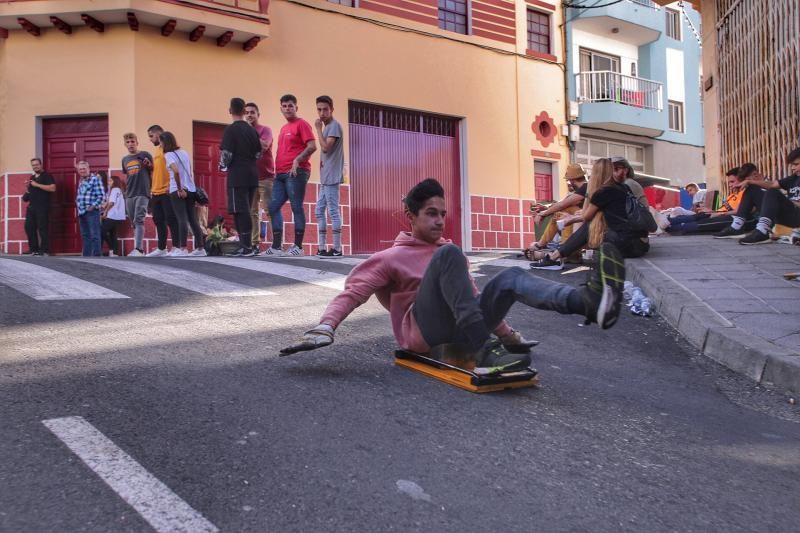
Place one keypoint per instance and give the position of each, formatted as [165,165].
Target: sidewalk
[730,301]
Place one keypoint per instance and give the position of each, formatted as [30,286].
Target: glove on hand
[312,339]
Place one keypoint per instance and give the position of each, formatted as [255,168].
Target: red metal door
[207,137]
[67,141]
[391,150]
[543,181]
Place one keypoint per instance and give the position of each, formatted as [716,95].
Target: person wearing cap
[565,212]
[611,178]
[623,173]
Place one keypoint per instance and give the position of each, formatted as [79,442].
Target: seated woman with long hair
[605,219]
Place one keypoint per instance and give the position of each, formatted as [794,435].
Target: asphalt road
[628,431]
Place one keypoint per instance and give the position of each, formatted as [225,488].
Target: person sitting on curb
[611,182]
[565,212]
[707,220]
[774,206]
[423,280]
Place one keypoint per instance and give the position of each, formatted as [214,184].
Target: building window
[543,181]
[589,150]
[538,32]
[453,15]
[348,3]
[673,24]
[675,116]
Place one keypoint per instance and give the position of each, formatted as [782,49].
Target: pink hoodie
[393,275]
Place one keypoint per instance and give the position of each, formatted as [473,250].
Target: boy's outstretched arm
[366,279]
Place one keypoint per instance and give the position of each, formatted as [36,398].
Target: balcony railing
[608,86]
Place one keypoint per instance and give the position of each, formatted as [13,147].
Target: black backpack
[638,217]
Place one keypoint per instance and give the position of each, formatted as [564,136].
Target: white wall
[676,85]
[627,53]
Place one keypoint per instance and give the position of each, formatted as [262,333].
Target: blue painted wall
[652,65]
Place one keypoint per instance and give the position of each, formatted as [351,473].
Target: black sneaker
[730,233]
[547,264]
[494,357]
[256,251]
[242,252]
[322,253]
[602,294]
[755,237]
[335,253]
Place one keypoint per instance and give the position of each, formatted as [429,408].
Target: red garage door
[206,138]
[390,151]
[67,141]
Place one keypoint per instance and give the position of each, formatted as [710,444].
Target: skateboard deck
[462,378]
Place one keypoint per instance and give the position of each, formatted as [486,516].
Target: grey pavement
[729,301]
[630,429]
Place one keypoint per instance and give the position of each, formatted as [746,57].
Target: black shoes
[242,252]
[755,237]
[730,233]
[496,357]
[602,294]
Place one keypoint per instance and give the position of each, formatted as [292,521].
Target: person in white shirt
[113,214]
[182,196]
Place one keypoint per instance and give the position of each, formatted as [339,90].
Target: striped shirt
[90,194]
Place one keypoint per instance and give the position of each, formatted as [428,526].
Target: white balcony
[622,103]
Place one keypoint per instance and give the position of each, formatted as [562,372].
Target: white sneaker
[661,219]
[294,251]
[112,254]
[178,252]
[157,253]
[135,253]
[198,253]
[275,252]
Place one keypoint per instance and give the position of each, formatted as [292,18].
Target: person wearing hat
[566,212]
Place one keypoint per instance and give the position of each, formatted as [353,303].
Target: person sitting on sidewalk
[565,212]
[697,196]
[707,220]
[610,182]
[774,206]
[424,282]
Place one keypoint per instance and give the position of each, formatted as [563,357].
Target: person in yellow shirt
[163,215]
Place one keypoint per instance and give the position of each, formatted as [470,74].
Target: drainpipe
[566,50]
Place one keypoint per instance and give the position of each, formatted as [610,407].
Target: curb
[714,335]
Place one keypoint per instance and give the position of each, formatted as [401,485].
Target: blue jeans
[328,199]
[447,311]
[90,232]
[292,188]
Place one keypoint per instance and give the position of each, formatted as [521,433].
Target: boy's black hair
[793,156]
[733,172]
[289,98]
[156,128]
[237,106]
[325,100]
[746,170]
[252,104]
[421,193]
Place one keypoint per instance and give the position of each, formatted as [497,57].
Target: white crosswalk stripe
[42,283]
[170,273]
[321,278]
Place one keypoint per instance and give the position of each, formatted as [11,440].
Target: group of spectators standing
[604,210]
[163,184]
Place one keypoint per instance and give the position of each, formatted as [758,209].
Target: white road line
[322,278]
[502,263]
[42,283]
[162,508]
[170,274]
[342,260]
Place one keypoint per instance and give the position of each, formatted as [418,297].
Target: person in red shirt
[266,171]
[296,143]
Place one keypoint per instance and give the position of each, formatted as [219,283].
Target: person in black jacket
[41,186]
[240,149]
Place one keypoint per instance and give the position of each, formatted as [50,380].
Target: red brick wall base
[500,223]
[13,239]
